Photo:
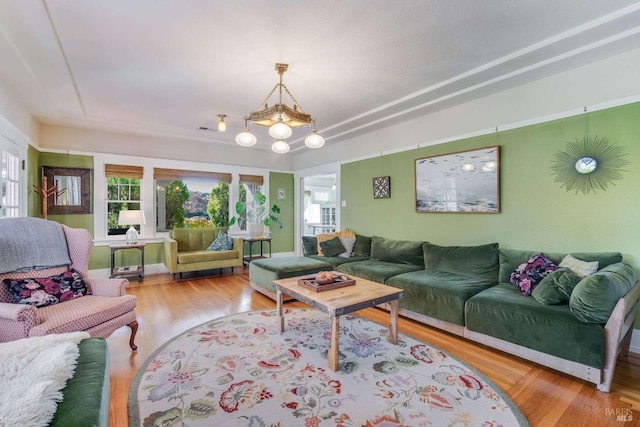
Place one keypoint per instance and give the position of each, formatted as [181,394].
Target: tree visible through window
[122,194]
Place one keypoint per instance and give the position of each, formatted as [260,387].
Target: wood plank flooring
[166,308]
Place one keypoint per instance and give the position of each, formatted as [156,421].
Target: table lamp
[131,218]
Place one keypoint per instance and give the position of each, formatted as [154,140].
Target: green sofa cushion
[190,257]
[595,297]
[85,400]
[475,261]
[195,239]
[438,294]
[397,251]
[502,312]
[362,248]
[376,271]
[293,264]
[556,287]
[335,261]
[310,245]
[510,259]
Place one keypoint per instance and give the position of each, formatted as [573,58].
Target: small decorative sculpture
[45,192]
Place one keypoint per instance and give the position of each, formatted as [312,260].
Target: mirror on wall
[73,190]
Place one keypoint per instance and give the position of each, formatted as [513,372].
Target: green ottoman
[263,272]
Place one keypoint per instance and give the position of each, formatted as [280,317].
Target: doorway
[319,204]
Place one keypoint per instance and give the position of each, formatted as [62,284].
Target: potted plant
[256,215]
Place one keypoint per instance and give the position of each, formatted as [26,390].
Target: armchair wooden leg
[134,329]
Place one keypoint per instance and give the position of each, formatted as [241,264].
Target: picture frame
[460,182]
[382,187]
[74,185]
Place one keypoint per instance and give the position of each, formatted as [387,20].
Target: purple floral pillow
[47,290]
[530,273]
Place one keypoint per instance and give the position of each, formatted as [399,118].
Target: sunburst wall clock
[589,164]
[382,187]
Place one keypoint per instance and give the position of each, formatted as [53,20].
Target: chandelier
[280,119]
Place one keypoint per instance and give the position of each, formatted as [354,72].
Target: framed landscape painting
[467,182]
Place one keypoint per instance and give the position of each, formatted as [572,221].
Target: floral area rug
[240,371]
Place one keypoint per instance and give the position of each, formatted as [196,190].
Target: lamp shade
[131,217]
[280,131]
[246,139]
[280,147]
[314,140]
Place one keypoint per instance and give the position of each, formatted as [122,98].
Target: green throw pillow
[595,297]
[362,246]
[310,245]
[556,287]
[332,247]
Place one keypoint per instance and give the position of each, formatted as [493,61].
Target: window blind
[251,179]
[179,174]
[123,171]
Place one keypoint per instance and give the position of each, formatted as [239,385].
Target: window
[9,183]
[123,192]
[249,186]
[191,199]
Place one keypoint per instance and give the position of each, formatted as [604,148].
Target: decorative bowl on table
[325,277]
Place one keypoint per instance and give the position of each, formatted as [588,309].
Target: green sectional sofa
[466,290]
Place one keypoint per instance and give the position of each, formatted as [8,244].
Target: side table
[135,270]
[246,259]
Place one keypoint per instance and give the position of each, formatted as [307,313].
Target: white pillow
[578,267]
[348,244]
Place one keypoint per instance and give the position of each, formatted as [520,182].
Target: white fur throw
[33,371]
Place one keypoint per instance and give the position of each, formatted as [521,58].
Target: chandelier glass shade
[280,119]
[280,147]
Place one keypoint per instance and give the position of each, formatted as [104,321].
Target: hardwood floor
[166,308]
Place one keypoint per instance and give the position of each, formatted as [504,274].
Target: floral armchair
[100,312]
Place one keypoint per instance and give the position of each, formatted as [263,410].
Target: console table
[136,270]
[246,259]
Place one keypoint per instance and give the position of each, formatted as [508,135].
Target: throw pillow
[342,233]
[47,290]
[363,246]
[309,245]
[223,242]
[332,247]
[530,273]
[348,244]
[578,267]
[556,287]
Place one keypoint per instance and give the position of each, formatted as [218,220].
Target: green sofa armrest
[171,254]
[238,244]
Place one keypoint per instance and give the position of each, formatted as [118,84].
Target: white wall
[98,141]
[614,80]
[16,123]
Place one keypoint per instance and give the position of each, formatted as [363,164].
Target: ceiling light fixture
[222,126]
[280,118]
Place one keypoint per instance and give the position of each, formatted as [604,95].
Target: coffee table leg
[334,350]
[279,308]
[393,327]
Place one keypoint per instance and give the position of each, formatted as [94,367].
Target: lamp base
[132,236]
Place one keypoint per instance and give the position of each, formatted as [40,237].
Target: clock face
[382,187]
[586,165]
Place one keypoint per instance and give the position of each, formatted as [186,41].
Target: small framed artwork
[382,187]
[467,182]
[282,193]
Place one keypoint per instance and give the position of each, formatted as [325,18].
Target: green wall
[536,213]
[68,161]
[282,239]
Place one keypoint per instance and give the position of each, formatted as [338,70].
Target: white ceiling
[168,67]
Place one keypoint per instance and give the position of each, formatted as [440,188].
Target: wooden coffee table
[337,302]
